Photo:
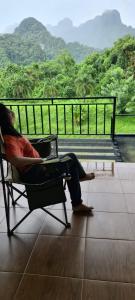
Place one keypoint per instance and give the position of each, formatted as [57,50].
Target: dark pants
[42,173]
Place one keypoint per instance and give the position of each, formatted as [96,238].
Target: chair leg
[6,204]
[10,231]
[7,194]
[12,194]
[67,225]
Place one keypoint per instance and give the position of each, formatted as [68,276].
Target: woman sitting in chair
[28,162]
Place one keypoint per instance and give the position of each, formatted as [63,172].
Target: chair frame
[9,188]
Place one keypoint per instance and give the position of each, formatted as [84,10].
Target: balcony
[92,260]
[95,258]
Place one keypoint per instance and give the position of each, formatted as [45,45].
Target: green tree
[19,86]
[114,83]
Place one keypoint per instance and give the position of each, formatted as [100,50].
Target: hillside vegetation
[111,72]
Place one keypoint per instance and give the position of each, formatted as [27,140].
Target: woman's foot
[82,208]
[88,176]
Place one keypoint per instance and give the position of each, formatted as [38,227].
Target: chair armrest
[49,138]
[55,161]
[46,147]
[64,159]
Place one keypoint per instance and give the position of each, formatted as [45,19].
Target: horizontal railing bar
[60,104]
[59,98]
[78,134]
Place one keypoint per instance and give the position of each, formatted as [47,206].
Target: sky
[52,11]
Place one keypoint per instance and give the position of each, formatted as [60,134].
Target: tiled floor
[94,260]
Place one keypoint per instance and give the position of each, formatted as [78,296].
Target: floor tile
[2,213]
[53,227]
[128,186]
[130,202]
[85,186]
[110,260]
[31,224]
[60,256]
[109,225]
[125,165]
[8,285]
[15,252]
[35,287]
[104,186]
[126,173]
[1,196]
[132,224]
[95,290]
[107,202]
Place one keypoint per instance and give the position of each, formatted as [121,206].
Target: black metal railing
[64,116]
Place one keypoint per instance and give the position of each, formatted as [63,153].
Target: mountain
[31,30]
[64,29]
[32,42]
[100,32]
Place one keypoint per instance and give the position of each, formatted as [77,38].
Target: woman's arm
[25,161]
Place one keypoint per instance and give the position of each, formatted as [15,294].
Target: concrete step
[89,149]
[84,149]
[86,142]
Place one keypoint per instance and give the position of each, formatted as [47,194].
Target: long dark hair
[5,121]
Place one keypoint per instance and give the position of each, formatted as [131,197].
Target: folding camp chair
[38,195]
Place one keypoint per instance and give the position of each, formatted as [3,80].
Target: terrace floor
[93,260]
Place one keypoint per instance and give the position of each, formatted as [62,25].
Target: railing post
[113,119]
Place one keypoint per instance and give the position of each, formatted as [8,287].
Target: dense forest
[111,72]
